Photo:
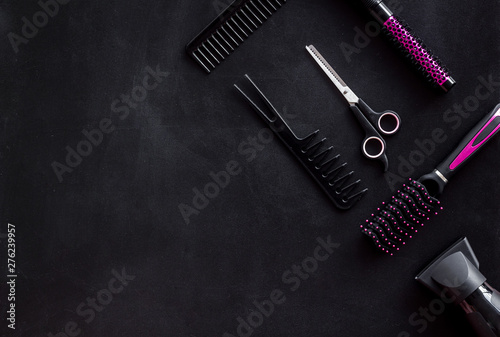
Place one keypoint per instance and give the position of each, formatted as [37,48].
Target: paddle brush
[395,222]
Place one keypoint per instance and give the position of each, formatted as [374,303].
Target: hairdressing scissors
[373,123]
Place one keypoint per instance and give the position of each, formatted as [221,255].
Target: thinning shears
[373,123]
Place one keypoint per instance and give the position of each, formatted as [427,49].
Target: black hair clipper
[455,276]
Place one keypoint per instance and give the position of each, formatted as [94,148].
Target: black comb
[325,167]
[232,27]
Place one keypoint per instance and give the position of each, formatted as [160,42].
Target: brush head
[397,220]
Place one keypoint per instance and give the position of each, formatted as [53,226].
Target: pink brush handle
[471,143]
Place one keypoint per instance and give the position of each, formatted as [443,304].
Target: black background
[120,207]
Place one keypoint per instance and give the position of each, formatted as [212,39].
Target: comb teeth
[321,162]
[327,169]
[232,27]
[395,222]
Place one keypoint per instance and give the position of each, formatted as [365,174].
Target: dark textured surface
[119,208]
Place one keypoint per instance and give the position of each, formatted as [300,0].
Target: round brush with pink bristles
[410,46]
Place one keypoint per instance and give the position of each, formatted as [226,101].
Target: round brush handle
[371,3]
[471,143]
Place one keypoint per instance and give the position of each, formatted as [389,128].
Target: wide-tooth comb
[325,167]
[395,222]
[232,27]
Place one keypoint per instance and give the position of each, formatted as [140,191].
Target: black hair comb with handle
[324,167]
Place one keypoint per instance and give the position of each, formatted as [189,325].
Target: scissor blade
[332,74]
